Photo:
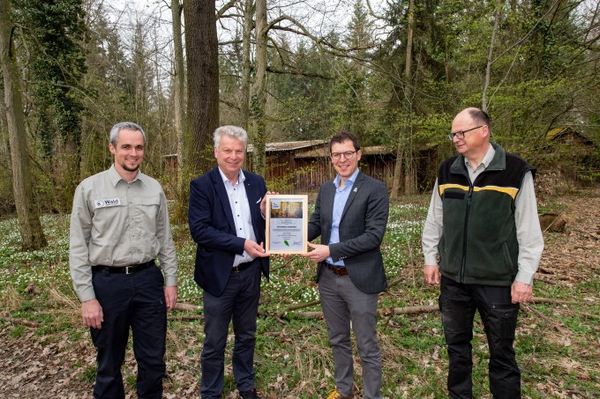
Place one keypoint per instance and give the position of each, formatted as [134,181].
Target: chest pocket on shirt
[144,209]
[454,195]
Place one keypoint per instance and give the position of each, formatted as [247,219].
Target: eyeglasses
[347,155]
[461,135]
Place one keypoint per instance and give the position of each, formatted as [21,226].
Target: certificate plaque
[287,224]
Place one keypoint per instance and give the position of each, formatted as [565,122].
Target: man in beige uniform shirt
[119,225]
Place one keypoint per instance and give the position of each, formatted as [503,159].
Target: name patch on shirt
[103,203]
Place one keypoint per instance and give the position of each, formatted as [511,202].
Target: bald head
[471,134]
[478,116]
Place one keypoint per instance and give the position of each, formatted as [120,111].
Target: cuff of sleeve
[525,277]
[86,294]
[431,259]
[170,281]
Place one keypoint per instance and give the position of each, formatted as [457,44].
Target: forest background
[393,72]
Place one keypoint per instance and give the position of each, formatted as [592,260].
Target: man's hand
[432,274]
[319,252]
[521,292]
[254,249]
[171,297]
[263,203]
[91,312]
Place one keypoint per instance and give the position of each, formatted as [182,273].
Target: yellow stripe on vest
[506,190]
[445,187]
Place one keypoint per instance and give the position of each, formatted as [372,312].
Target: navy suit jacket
[213,229]
[362,228]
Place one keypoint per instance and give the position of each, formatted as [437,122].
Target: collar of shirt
[349,183]
[115,177]
[487,159]
[240,179]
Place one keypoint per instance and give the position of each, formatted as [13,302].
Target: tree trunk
[72,159]
[488,69]
[203,83]
[409,164]
[259,100]
[32,234]
[405,147]
[396,181]
[181,185]
[246,63]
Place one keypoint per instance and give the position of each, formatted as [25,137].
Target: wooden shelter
[302,166]
[573,154]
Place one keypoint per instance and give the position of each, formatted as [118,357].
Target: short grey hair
[114,132]
[231,131]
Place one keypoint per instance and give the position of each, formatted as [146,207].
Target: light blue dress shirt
[339,202]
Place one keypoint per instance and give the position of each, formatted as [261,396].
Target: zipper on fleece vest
[464,252]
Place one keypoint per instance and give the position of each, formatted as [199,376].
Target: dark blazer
[213,229]
[362,228]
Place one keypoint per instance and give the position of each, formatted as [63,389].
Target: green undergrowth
[557,342]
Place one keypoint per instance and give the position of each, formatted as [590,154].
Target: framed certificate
[287,224]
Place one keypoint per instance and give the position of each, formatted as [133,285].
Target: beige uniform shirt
[119,223]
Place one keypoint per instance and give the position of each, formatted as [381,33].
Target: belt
[337,270]
[243,266]
[123,269]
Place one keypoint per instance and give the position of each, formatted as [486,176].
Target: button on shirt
[119,223]
[339,203]
[240,208]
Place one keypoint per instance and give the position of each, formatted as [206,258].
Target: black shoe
[249,394]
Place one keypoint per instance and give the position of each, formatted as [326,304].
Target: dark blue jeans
[458,303]
[239,303]
[135,301]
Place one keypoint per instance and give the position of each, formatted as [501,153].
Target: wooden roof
[291,145]
[568,133]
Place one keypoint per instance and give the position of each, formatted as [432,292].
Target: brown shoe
[336,395]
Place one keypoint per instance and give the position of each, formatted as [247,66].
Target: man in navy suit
[226,220]
[350,215]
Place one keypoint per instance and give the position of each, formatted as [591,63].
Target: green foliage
[543,74]
[53,32]
[537,76]
[50,42]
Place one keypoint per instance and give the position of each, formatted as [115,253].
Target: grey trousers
[345,306]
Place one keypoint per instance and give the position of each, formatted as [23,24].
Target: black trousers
[135,301]
[458,303]
[237,305]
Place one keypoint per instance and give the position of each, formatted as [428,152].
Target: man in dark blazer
[350,215]
[226,220]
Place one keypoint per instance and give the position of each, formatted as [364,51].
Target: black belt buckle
[242,266]
[131,269]
[136,268]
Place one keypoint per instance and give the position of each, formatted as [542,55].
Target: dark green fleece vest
[479,240]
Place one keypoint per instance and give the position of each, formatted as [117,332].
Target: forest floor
[59,362]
